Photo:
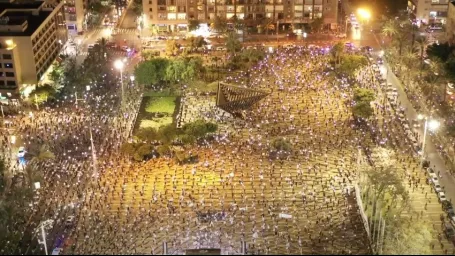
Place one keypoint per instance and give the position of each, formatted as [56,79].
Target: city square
[150,130]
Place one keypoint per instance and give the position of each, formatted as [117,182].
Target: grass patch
[155,122]
[161,93]
[161,105]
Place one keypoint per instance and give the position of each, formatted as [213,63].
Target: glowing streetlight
[364,13]
[118,64]
[132,78]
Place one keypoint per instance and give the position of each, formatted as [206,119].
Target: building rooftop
[23,5]
[34,21]
[29,14]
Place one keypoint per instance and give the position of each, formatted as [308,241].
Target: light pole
[94,159]
[118,64]
[43,236]
[433,125]
[78,44]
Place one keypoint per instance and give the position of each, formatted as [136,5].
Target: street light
[132,78]
[118,64]
[432,125]
[364,14]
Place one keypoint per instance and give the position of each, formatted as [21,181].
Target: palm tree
[390,29]
[37,156]
[422,42]
[410,58]
[337,51]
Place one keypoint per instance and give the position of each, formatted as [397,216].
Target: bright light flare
[118,64]
[433,125]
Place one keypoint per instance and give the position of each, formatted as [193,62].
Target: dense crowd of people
[302,202]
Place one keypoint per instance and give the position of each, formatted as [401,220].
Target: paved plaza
[141,205]
[303,203]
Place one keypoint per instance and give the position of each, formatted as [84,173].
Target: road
[431,152]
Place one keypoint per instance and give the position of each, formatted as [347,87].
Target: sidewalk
[431,153]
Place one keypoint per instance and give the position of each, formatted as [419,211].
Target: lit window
[181,16]
[8,65]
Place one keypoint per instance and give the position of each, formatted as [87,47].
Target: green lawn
[161,93]
[161,105]
[156,122]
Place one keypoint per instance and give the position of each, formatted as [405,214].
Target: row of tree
[154,143]
[159,70]
[387,201]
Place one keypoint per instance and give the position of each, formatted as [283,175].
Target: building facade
[450,25]
[31,37]
[75,13]
[173,15]
[428,11]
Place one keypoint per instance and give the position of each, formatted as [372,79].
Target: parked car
[380,61]
[442,197]
[437,187]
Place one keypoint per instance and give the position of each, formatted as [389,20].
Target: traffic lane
[448,181]
[130,18]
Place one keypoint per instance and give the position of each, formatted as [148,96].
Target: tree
[152,71]
[252,56]
[317,24]
[199,128]
[164,150]
[172,47]
[390,28]
[362,110]
[281,144]
[167,133]
[194,25]
[362,103]
[187,139]
[42,93]
[142,152]
[350,63]
[363,94]
[175,70]
[3,178]
[197,42]
[137,7]
[422,42]
[337,51]
[154,30]
[56,74]
[128,149]
[219,25]
[440,51]
[36,155]
[194,67]
[388,188]
[233,44]
[407,236]
[148,134]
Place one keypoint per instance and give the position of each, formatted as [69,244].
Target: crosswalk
[114,53]
[128,31]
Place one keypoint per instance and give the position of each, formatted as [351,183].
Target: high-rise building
[75,14]
[173,15]
[450,26]
[428,11]
[31,37]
